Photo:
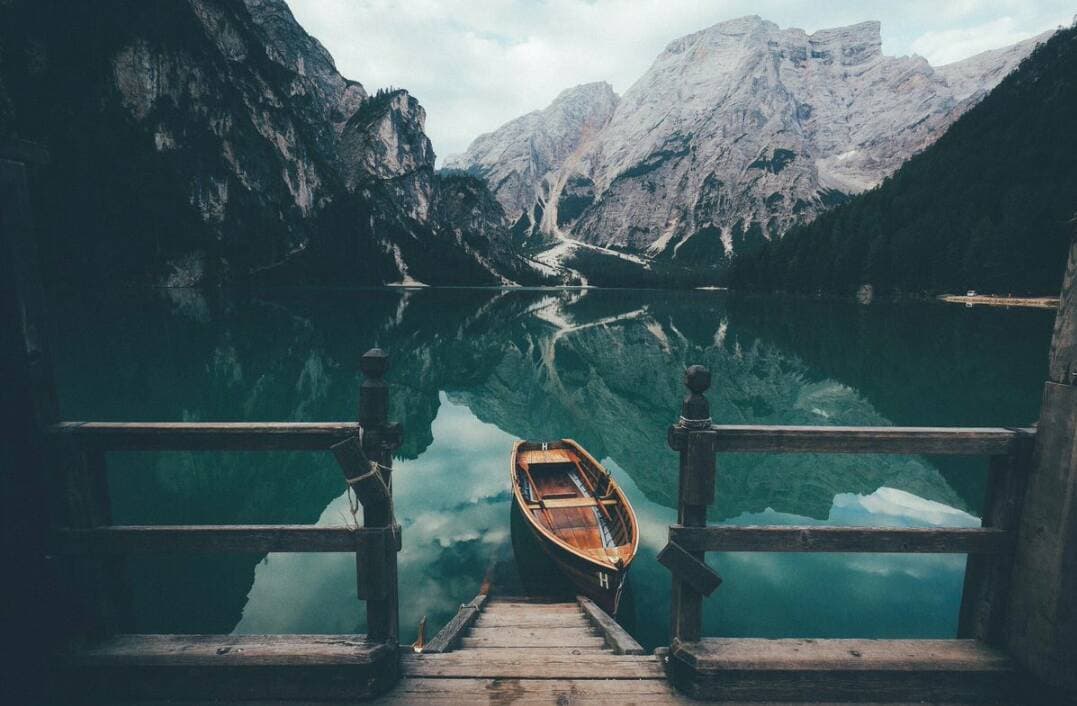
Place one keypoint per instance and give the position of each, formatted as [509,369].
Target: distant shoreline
[998,300]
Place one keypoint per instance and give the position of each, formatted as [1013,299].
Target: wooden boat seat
[556,503]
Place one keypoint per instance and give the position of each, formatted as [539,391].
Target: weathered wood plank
[785,538]
[534,652]
[839,670]
[532,637]
[538,609]
[854,654]
[985,592]
[448,638]
[208,436]
[492,643]
[616,636]
[533,692]
[228,667]
[99,580]
[531,620]
[379,440]
[986,441]
[1042,627]
[694,440]
[169,539]
[689,569]
[28,404]
[219,650]
[133,436]
[503,599]
[1062,366]
[458,664]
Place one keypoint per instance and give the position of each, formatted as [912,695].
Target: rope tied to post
[704,423]
[351,457]
[353,500]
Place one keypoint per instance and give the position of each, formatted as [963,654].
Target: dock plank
[495,606]
[536,652]
[838,670]
[538,641]
[530,621]
[461,664]
[531,692]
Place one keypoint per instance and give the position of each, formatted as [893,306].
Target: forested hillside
[987,207]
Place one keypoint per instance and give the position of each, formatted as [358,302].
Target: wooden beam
[971,441]
[228,668]
[211,539]
[1042,625]
[785,538]
[465,663]
[752,669]
[28,403]
[689,568]
[207,436]
[693,439]
[617,638]
[379,439]
[985,593]
[448,638]
[1062,367]
[255,436]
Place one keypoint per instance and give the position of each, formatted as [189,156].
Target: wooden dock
[532,651]
[1016,636]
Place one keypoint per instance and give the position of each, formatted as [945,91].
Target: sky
[476,64]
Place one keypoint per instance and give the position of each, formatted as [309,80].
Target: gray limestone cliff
[734,134]
[211,141]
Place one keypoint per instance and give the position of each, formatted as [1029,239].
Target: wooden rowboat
[579,515]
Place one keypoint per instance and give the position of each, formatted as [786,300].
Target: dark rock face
[207,141]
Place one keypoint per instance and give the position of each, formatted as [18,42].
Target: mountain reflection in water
[472,370]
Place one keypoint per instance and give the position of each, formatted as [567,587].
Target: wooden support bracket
[369,486]
[700,577]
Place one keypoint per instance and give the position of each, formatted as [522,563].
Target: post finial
[696,410]
[697,379]
[374,363]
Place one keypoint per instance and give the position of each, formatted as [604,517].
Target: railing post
[29,404]
[380,439]
[1042,624]
[986,591]
[694,438]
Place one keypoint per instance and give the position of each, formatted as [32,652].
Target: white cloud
[944,46]
[475,64]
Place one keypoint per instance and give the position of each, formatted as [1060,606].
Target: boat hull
[569,545]
[602,585]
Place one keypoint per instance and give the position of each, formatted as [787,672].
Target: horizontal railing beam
[972,441]
[208,436]
[253,436]
[935,540]
[213,539]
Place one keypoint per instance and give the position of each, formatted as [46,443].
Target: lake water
[473,370]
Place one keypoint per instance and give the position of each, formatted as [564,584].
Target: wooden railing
[363,449]
[990,547]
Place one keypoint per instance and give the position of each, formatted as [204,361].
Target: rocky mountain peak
[734,134]
[849,46]
[246,154]
[516,159]
[385,138]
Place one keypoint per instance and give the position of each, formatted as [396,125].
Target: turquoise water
[473,370]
